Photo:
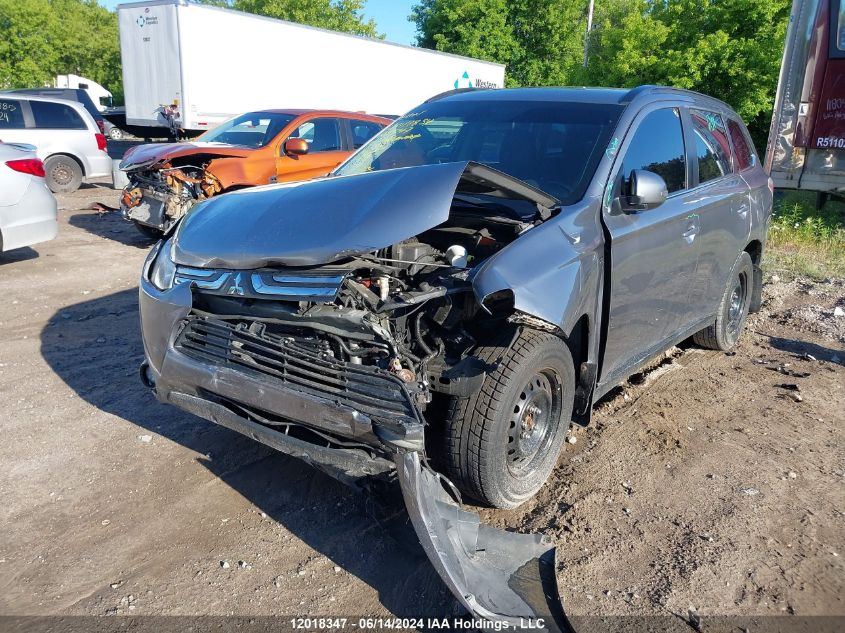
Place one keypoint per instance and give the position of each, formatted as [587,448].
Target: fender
[554,273]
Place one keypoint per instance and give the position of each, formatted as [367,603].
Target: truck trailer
[806,148]
[190,67]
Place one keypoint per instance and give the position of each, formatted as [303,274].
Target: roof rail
[636,92]
[455,91]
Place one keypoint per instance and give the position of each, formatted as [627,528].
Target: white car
[27,208]
[67,137]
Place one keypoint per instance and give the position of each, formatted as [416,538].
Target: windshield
[552,146]
[253,129]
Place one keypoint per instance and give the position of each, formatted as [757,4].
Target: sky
[391,16]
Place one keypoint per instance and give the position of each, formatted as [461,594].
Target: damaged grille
[291,286]
[300,364]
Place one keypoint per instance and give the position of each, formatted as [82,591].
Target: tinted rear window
[742,149]
[11,115]
[56,116]
[711,145]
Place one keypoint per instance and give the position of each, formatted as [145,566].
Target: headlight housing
[163,270]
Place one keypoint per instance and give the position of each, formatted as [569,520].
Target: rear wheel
[63,174]
[116,134]
[503,442]
[733,309]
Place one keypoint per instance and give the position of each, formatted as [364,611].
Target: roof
[301,111]
[23,96]
[609,96]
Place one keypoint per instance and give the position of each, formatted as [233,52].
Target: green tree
[540,41]
[730,49]
[40,39]
[336,15]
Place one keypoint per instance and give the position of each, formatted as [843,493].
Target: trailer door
[149,49]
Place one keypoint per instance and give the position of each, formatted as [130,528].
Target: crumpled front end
[166,180]
[340,362]
[159,197]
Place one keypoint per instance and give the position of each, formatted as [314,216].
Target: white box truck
[213,63]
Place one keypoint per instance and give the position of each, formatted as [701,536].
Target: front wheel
[503,442]
[724,333]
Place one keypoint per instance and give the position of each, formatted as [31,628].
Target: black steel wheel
[725,331]
[536,412]
[501,444]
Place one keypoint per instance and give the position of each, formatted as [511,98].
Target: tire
[116,134]
[724,333]
[63,174]
[502,443]
[150,232]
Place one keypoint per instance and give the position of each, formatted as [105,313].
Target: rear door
[326,150]
[653,253]
[723,204]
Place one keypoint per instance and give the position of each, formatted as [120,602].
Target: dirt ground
[702,484]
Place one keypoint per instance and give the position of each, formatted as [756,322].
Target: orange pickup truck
[256,148]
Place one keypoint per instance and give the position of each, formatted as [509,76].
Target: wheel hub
[736,306]
[534,418]
[61,174]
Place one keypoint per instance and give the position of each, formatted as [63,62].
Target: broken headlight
[163,270]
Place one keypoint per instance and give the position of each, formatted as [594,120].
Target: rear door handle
[742,210]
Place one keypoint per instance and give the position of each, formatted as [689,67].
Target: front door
[325,151]
[653,253]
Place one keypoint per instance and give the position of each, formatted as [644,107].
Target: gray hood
[321,221]
[316,222]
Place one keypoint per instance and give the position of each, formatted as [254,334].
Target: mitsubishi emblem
[236,288]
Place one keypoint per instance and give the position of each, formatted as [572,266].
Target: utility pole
[587,34]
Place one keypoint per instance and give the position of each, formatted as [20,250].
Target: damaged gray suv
[454,296]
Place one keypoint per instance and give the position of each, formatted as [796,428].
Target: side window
[711,145]
[11,115]
[56,116]
[322,135]
[658,146]
[363,131]
[742,149]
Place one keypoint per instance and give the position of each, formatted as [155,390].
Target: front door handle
[693,226]
[742,210]
[690,233]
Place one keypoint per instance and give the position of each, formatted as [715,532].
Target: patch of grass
[806,242]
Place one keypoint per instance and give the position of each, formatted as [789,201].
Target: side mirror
[646,190]
[296,147]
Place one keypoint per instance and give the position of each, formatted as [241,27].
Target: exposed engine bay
[167,179]
[159,197]
[407,310]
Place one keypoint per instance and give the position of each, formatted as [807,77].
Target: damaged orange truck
[256,148]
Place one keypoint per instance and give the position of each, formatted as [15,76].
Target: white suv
[67,138]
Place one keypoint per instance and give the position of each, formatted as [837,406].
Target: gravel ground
[702,483]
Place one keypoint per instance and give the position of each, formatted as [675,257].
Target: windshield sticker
[612,147]
[608,195]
